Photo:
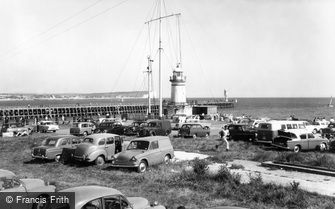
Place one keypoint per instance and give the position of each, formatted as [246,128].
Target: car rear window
[265,126]
[144,145]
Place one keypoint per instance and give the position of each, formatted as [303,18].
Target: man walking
[224,133]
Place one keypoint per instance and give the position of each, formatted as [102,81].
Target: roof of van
[284,121]
[151,138]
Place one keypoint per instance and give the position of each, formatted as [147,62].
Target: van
[156,128]
[267,131]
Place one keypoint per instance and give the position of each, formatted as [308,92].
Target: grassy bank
[170,185]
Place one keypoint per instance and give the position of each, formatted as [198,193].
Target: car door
[312,141]
[116,202]
[304,142]
[110,147]
[154,153]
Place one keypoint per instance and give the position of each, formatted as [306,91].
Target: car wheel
[100,161]
[85,133]
[57,158]
[315,131]
[323,147]
[296,148]
[194,136]
[167,159]
[142,167]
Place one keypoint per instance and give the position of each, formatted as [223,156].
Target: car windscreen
[50,142]
[88,140]
[143,145]
[76,125]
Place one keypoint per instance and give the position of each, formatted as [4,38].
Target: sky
[251,48]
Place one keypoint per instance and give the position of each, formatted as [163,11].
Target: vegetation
[172,185]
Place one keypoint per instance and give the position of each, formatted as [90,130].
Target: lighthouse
[178,91]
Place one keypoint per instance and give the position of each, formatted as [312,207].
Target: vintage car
[117,128]
[99,197]
[241,132]
[98,148]
[104,127]
[156,128]
[15,129]
[328,132]
[192,119]
[144,152]
[9,182]
[315,126]
[297,140]
[194,130]
[51,148]
[134,128]
[46,126]
[82,128]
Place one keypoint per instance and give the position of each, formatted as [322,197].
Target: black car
[156,128]
[134,128]
[328,132]
[241,132]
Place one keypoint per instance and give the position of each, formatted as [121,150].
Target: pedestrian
[224,133]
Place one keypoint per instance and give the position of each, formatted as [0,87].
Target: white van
[267,131]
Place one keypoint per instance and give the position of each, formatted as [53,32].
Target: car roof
[6,173]
[101,135]
[150,138]
[61,136]
[84,194]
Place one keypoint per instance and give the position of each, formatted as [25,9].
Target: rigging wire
[79,24]
[22,43]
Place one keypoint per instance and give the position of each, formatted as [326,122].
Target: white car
[315,127]
[47,126]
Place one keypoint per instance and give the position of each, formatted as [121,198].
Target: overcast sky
[252,48]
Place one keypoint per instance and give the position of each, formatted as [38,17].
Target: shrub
[200,167]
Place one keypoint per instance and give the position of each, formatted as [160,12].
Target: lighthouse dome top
[177,75]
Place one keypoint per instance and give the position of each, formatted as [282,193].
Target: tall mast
[149,71]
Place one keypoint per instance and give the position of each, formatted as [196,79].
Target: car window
[110,140]
[49,142]
[289,126]
[94,204]
[101,142]
[154,145]
[295,126]
[75,141]
[9,183]
[88,140]
[310,136]
[265,126]
[143,145]
[303,136]
[112,203]
[84,125]
[63,142]
[301,126]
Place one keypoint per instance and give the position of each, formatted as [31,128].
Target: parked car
[156,128]
[27,188]
[46,126]
[316,126]
[82,128]
[194,130]
[241,132]
[134,128]
[297,140]
[15,129]
[104,127]
[192,119]
[99,197]
[51,148]
[117,128]
[328,132]
[98,148]
[177,121]
[144,152]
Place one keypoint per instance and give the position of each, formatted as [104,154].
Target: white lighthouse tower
[178,91]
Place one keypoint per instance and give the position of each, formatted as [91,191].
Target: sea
[276,108]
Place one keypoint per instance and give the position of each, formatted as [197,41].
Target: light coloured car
[47,126]
[51,148]
[9,182]
[297,140]
[194,130]
[82,128]
[99,197]
[144,152]
[98,148]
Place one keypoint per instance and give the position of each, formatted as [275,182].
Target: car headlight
[155,203]
[133,159]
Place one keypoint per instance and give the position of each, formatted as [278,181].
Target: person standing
[224,133]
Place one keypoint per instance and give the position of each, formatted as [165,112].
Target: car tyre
[57,158]
[100,161]
[142,167]
[167,159]
[296,149]
[323,147]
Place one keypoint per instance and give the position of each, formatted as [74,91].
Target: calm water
[304,108]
